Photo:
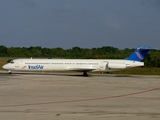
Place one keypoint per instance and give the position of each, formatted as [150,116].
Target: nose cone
[5,67]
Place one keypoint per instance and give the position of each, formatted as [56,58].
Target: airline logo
[139,55]
[36,67]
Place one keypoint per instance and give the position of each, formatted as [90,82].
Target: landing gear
[85,73]
[9,71]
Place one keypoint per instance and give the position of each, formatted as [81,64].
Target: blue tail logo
[139,53]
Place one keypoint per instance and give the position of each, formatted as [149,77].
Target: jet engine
[116,66]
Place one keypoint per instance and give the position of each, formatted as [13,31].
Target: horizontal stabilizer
[145,48]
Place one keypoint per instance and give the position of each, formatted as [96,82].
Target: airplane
[79,65]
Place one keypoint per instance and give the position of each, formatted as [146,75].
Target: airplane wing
[82,69]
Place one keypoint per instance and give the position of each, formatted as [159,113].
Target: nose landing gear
[9,71]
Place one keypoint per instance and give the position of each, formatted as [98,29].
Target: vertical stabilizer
[139,53]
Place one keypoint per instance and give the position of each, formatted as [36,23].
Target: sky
[82,23]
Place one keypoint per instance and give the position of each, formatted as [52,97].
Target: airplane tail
[139,53]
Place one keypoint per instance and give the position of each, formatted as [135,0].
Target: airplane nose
[5,67]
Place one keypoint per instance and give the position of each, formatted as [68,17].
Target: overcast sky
[83,23]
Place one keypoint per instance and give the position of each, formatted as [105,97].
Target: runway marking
[146,98]
[81,100]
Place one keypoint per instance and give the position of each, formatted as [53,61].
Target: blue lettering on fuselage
[36,67]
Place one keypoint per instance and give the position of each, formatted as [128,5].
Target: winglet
[139,53]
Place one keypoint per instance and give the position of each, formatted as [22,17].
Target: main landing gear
[85,74]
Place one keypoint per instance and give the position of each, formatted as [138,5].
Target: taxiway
[67,96]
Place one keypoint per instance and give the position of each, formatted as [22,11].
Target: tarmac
[70,96]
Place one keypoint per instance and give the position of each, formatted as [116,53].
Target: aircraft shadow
[66,74]
[55,74]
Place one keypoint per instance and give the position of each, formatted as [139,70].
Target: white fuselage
[71,64]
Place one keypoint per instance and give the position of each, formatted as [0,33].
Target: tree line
[106,52]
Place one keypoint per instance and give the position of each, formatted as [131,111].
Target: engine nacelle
[116,66]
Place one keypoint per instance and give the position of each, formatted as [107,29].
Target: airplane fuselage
[71,64]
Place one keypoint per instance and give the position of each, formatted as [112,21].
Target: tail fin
[139,53]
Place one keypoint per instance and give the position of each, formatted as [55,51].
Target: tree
[3,51]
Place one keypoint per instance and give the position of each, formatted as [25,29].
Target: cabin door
[17,64]
[101,65]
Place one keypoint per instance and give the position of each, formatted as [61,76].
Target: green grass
[139,71]
[135,71]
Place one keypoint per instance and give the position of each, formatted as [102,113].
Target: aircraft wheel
[9,72]
[85,73]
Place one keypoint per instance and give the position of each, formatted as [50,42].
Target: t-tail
[139,53]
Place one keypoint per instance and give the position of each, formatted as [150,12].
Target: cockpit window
[11,62]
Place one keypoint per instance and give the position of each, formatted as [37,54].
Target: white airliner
[80,65]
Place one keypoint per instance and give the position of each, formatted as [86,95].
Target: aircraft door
[101,65]
[17,64]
